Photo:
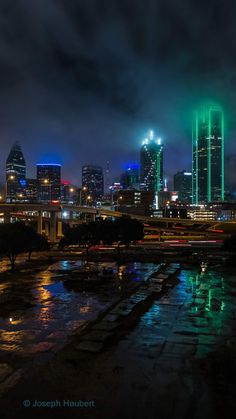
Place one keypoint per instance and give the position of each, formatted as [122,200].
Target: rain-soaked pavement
[40,311]
[150,372]
[154,365]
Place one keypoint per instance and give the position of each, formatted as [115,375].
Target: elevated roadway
[54,213]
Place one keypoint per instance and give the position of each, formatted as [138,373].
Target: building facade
[69,193]
[151,163]
[208,155]
[15,174]
[31,190]
[183,186]
[130,178]
[92,181]
[135,202]
[49,182]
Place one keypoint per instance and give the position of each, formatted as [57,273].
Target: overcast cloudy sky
[81,81]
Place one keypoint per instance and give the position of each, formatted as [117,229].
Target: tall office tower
[151,163]
[107,178]
[208,155]
[49,182]
[31,190]
[15,174]
[130,178]
[183,186]
[92,180]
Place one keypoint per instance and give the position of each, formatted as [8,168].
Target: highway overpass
[54,214]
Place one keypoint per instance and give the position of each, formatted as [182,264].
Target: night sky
[83,81]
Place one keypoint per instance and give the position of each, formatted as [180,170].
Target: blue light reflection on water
[204,298]
[57,311]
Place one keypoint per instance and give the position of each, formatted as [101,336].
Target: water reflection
[203,267]
[49,311]
[197,311]
[40,309]
[3,287]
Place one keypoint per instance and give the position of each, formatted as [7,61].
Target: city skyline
[117,71]
[125,159]
[118,209]
[150,140]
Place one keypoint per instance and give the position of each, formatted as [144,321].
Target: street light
[83,189]
[119,199]
[48,184]
[88,199]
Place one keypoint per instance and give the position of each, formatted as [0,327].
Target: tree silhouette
[127,230]
[121,231]
[230,243]
[16,238]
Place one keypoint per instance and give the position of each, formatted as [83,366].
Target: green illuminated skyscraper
[208,155]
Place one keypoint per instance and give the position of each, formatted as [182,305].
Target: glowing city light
[151,134]
[48,164]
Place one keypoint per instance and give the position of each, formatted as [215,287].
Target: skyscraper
[183,186]
[31,190]
[151,163]
[49,182]
[208,155]
[15,174]
[130,178]
[107,178]
[92,180]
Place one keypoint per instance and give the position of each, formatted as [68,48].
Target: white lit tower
[151,163]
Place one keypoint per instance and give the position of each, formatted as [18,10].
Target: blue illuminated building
[130,178]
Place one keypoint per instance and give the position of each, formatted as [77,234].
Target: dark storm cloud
[88,78]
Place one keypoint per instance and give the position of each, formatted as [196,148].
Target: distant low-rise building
[69,193]
[202,214]
[135,202]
